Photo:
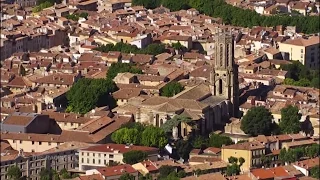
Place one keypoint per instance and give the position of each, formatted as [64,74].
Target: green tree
[241,161]
[233,169]
[177,46]
[133,157]
[183,148]
[154,136]
[127,176]
[258,120]
[49,174]
[171,89]
[290,120]
[165,170]
[149,4]
[65,174]
[199,142]
[175,122]
[153,49]
[217,140]
[116,68]
[313,151]
[14,173]
[87,94]
[175,5]
[315,82]
[315,172]
[126,136]
[233,160]
[182,174]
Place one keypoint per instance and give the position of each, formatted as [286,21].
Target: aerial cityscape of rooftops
[160,89]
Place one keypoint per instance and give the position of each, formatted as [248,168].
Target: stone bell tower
[224,76]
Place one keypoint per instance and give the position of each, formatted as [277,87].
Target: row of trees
[258,120]
[300,75]
[293,155]
[152,49]
[15,173]
[139,134]
[236,16]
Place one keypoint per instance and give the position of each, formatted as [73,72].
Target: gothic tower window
[220,86]
[221,55]
[227,55]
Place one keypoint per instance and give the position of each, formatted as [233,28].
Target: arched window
[227,55]
[221,55]
[161,122]
[220,86]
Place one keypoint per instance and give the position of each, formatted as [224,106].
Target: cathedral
[209,103]
[224,75]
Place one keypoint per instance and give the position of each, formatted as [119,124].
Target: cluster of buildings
[226,71]
[271,7]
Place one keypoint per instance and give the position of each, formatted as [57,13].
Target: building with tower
[224,75]
[208,102]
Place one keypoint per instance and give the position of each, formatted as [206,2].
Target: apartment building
[101,155]
[251,152]
[64,156]
[304,50]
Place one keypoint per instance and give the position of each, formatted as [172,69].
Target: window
[87,154]
[49,143]
[99,161]
[82,153]
[93,154]
[99,155]
[87,160]
[32,142]
[301,50]
[71,124]
[93,161]
[20,142]
[40,143]
[14,141]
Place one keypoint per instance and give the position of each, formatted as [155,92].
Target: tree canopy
[171,89]
[152,49]
[217,140]
[234,168]
[237,16]
[127,176]
[49,174]
[87,94]
[133,157]
[154,136]
[258,120]
[315,172]
[137,134]
[116,68]
[165,171]
[174,122]
[300,75]
[14,173]
[290,120]
[183,149]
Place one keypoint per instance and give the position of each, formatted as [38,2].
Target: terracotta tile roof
[20,119]
[141,58]
[203,159]
[20,82]
[203,72]
[303,42]
[90,177]
[269,173]
[211,176]
[67,117]
[121,148]
[127,93]
[57,79]
[245,146]
[142,77]
[116,170]
[213,150]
